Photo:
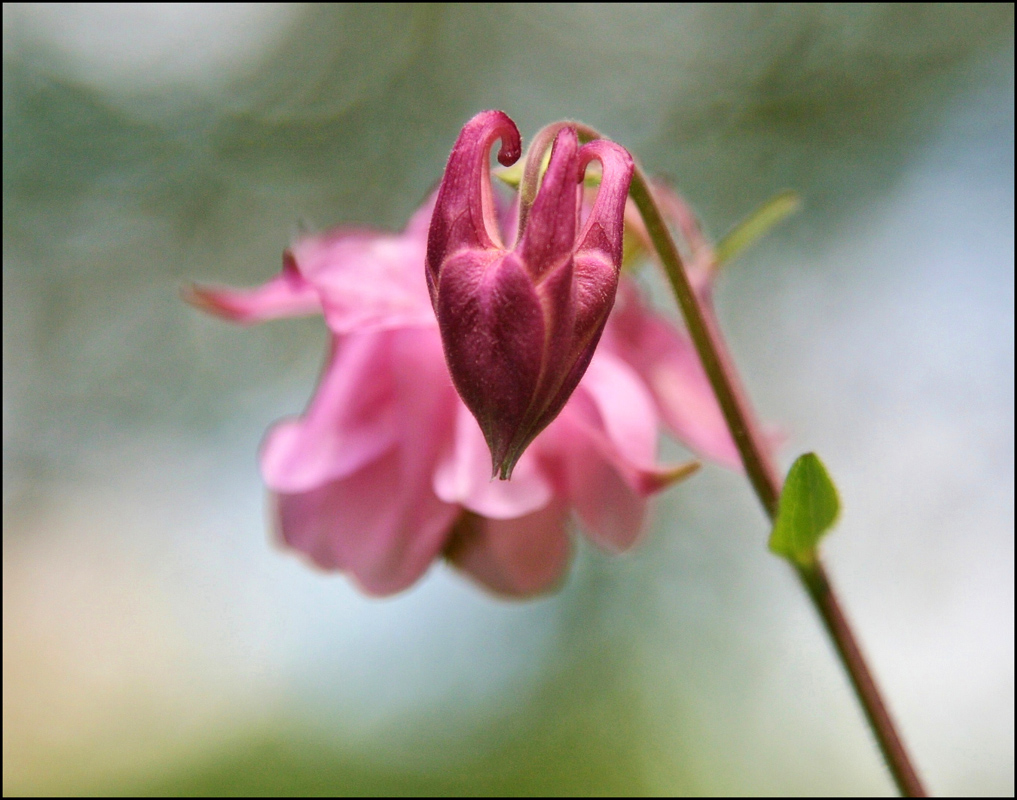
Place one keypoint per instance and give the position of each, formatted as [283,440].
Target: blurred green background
[154,641]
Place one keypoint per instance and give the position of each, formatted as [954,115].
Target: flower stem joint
[519,326]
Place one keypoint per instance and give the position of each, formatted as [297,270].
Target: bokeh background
[155,641]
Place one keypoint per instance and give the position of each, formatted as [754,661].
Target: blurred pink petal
[350,421]
[361,279]
[518,557]
[383,523]
[380,525]
[621,421]
[603,446]
[286,295]
[696,251]
[611,511]
[463,476]
[669,366]
[624,408]
[364,281]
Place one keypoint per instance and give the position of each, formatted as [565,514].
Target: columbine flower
[387,470]
[520,326]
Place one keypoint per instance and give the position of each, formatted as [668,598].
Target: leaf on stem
[757,223]
[808,509]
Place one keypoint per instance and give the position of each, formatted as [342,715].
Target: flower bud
[519,326]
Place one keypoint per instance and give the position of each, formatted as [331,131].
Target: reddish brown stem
[763,475]
[825,600]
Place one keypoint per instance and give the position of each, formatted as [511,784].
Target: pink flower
[520,326]
[387,470]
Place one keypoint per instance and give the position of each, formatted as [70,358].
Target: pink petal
[365,280]
[463,476]
[368,280]
[464,213]
[286,295]
[516,557]
[598,251]
[493,326]
[625,408]
[380,527]
[350,421]
[426,402]
[601,236]
[668,364]
[384,523]
[550,231]
[618,415]
[611,510]
[702,263]
[602,451]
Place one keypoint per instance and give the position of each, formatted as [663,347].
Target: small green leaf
[757,223]
[808,508]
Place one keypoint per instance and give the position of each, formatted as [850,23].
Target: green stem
[712,351]
[766,482]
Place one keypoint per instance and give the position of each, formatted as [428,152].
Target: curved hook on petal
[530,180]
[603,230]
[550,230]
[464,210]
